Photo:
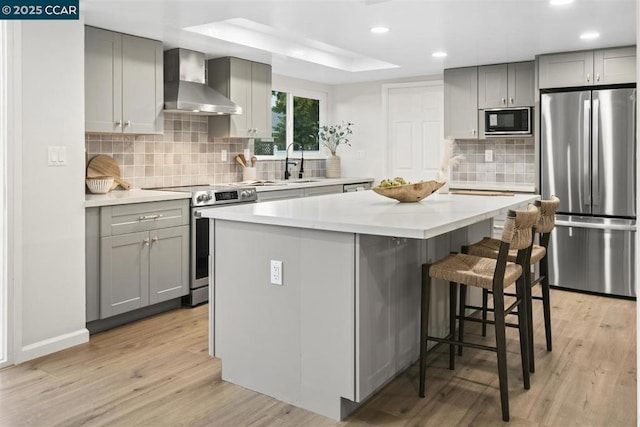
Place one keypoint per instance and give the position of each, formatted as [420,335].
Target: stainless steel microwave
[507,121]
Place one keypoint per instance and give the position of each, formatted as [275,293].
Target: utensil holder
[249,174]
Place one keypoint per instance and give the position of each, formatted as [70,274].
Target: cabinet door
[461,103]
[103,80]
[375,344]
[142,85]
[168,263]
[611,66]
[240,93]
[565,70]
[492,86]
[124,273]
[406,295]
[260,100]
[521,84]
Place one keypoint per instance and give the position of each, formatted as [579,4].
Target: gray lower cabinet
[137,256]
[388,299]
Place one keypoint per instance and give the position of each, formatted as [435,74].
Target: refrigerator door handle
[595,152]
[619,227]
[586,181]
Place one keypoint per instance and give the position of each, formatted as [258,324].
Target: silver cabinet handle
[511,100]
[473,131]
[118,123]
[155,239]
[127,123]
[504,101]
[147,217]
[145,242]
[588,77]
[597,77]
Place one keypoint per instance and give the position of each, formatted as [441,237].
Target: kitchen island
[339,317]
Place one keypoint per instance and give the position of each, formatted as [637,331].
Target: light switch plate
[223,155]
[57,155]
[247,154]
[488,155]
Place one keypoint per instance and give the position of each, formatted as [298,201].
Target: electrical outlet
[276,272]
[223,155]
[488,155]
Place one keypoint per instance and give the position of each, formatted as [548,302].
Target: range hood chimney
[185,88]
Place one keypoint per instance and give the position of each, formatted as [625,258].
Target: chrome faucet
[288,162]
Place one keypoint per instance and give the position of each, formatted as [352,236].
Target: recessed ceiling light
[379,30]
[559,2]
[589,36]
[439,54]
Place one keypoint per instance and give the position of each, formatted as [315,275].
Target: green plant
[332,136]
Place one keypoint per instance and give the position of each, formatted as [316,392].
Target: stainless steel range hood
[185,88]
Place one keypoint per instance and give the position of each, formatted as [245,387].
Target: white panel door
[414,123]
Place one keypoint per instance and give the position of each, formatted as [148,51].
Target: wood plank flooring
[156,372]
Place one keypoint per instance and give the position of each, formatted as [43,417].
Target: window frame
[322,153]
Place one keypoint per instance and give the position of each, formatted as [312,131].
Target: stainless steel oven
[203,198]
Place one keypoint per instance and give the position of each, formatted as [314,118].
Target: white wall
[47,203]
[361,104]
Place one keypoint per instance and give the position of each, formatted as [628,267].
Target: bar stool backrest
[548,209]
[518,227]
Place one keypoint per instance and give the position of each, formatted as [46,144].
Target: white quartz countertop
[121,197]
[366,212]
[117,197]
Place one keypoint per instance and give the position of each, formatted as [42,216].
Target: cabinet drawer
[122,219]
[326,189]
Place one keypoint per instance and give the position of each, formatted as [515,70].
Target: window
[294,120]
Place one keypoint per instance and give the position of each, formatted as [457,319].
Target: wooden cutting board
[103,165]
[482,193]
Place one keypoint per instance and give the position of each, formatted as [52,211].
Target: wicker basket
[100,184]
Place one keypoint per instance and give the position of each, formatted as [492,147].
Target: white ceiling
[473,32]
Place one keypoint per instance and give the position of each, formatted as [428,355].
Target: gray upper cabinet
[587,68]
[248,84]
[461,103]
[506,85]
[123,83]
[612,66]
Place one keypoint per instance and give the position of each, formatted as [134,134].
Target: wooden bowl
[409,192]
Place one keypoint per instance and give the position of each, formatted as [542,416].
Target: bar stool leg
[463,303]
[453,287]
[527,303]
[546,303]
[522,329]
[501,347]
[485,301]
[424,323]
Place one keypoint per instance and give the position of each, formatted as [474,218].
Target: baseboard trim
[52,345]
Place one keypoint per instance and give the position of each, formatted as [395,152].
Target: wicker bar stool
[489,247]
[494,274]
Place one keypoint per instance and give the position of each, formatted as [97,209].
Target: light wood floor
[156,372]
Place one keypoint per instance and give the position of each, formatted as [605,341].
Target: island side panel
[327,321]
[294,342]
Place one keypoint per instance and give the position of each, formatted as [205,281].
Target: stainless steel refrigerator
[588,160]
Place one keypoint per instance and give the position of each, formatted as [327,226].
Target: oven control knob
[205,197]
